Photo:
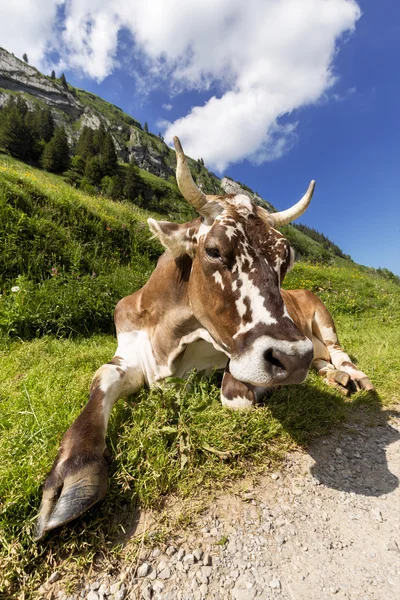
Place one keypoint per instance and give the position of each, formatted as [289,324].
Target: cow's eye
[213,252]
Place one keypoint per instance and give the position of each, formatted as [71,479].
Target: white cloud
[28,26]
[266,58]
[167,106]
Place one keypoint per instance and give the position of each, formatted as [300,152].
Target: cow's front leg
[329,355]
[78,478]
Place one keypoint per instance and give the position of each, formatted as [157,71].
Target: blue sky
[251,94]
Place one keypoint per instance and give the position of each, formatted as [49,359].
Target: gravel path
[325,526]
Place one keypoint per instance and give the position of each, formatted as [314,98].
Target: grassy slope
[44,381]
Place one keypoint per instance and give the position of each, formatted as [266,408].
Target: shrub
[69,304]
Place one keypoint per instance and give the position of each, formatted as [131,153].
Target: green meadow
[66,258]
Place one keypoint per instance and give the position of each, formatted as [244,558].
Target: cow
[213,302]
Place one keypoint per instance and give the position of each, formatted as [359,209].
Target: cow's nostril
[269,357]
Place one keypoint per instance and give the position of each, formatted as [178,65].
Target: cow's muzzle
[271,362]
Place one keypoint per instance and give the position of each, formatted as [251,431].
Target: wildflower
[15,288]
[94,275]
[54,272]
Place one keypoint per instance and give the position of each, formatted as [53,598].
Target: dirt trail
[325,526]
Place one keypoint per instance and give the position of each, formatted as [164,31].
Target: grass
[56,331]
[160,442]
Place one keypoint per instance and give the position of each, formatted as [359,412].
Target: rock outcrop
[75,109]
[232,187]
[17,76]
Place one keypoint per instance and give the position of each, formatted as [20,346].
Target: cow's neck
[170,322]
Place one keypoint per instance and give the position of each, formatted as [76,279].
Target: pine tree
[115,188]
[85,145]
[131,182]
[98,138]
[41,123]
[93,170]
[140,201]
[15,134]
[25,58]
[55,155]
[75,172]
[108,155]
[63,81]
[146,127]
[53,74]
[32,121]
[46,124]
[104,184]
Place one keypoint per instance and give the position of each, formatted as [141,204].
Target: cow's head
[239,261]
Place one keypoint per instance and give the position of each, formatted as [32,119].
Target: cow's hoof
[356,384]
[365,384]
[67,497]
[346,380]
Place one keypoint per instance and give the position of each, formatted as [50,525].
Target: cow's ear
[179,239]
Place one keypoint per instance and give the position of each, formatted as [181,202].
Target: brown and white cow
[213,302]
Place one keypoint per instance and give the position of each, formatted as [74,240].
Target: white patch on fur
[242,204]
[231,226]
[230,231]
[237,403]
[218,279]
[188,340]
[286,314]
[338,357]
[111,384]
[259,313]
[353,371]
[203,357]
[278,264]
[135,348]
[203,230]
[139,361]
[116,381]
[291,260]
[328,334]
[250,366]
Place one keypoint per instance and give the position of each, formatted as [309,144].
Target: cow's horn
[286,216]
[187,186]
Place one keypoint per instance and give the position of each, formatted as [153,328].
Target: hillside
[75,109]
[66,258]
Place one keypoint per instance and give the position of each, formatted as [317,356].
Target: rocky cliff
[233,187]
[75,108]
[17,76]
